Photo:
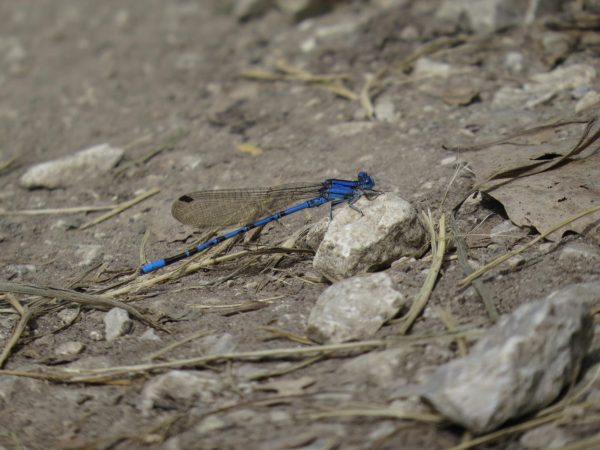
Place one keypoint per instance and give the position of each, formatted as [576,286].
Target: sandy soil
[135,75]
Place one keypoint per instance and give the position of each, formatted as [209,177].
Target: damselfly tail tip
[152,266]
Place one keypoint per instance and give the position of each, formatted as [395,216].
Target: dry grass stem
[286,334]
[418,79]
[337,88]
[463,259]
[26,315]
[120,208]
[53,211]
[505,175]
[286,370]
[432,47]
[438,248]
[524,426]
[500,259]
[446,317]
[582,444]
[142,283]
[168,145]
[267,301]
[143,259]
[287,72]
[121,374]
[571,397]
[5,165]
[174,345]
[378,412]
[93,301]
[459,168]
[365,96]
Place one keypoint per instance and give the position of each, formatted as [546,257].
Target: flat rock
[116,323]
[521,365]
[68,171]
[69,348]
[379,368]
[178,389]
[217,344]
[149,335]
[354,309]
[88,253]
[67,315]
[355,243]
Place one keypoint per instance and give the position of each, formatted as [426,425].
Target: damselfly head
[366,182]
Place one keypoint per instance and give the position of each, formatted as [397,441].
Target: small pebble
[149,335]
[69,348]
[117,323]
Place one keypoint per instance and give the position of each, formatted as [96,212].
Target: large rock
[83,165]
[354,309]
[388,230]
[521,365]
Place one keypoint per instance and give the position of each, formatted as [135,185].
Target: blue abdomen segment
[152,266]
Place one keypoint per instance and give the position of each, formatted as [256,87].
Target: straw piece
[94,301]
[4,165]
[50,211]
[449,322]
[463,259]
[286,334]
[174,345]
[26,315]
[438,247]
[394,413]
[120,208]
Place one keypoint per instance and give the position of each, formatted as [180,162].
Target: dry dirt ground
[167,75]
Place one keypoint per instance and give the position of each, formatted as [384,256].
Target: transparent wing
[239,206]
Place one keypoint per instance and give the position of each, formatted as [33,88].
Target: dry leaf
[460,96]
[543,177]
[250,149]
[547,198]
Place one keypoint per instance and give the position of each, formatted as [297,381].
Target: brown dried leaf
[547,198]
[460,96]
[542,177]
